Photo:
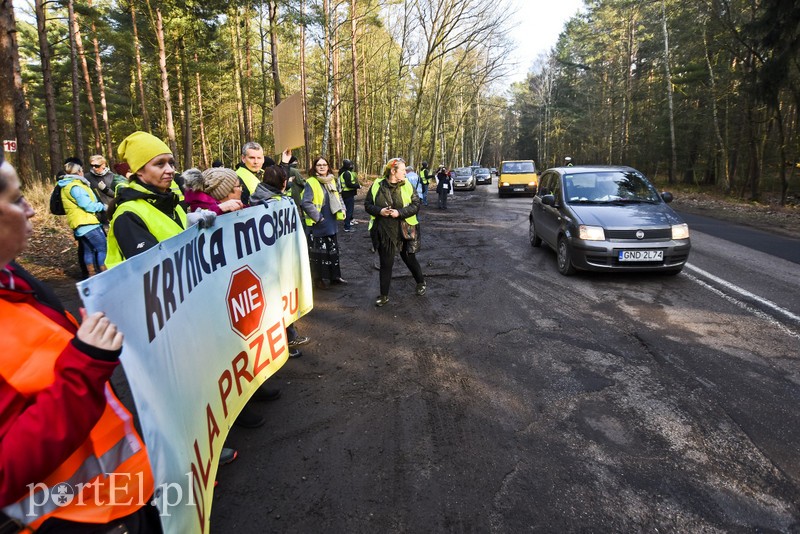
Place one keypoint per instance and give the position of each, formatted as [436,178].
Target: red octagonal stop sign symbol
[245,300]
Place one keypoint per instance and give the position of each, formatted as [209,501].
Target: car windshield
[482,171]
[608,187]
[463,171]
[518,167]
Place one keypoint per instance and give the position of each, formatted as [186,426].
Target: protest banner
[204,316]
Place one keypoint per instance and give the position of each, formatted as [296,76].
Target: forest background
[703,92]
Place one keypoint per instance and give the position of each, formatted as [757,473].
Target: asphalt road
[511,398]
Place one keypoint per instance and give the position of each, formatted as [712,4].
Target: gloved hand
[203,218]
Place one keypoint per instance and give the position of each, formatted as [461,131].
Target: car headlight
[591,233]
[531,184]
[680,231]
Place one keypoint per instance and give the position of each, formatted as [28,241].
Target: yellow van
[517,176]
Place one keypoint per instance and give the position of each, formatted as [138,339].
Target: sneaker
[249,419]
[348,230]
[299,340]
[354,221]
[263,393]
[421,288]
[227,455]
[381,300]
[295,353]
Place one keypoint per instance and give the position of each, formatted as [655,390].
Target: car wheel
[535,240]
[564,257]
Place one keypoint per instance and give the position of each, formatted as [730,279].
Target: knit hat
[219,182]
[139,148]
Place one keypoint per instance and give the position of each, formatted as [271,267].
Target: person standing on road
[424,180]
[348,181]
[393,205]
[59,416]
[84,212]
[443,186]
[323,206]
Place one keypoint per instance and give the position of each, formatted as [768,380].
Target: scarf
[334,197]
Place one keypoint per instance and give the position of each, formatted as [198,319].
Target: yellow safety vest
[406,192]
[77,216]
[250,180]
[318,199]
[159,224]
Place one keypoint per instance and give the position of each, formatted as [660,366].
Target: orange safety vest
[31,345]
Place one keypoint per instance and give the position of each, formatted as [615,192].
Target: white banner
[204,316]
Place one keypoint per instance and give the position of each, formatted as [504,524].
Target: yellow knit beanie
[139,148]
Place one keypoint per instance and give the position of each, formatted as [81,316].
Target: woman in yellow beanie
[146,211]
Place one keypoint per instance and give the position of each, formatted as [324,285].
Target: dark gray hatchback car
[606,218]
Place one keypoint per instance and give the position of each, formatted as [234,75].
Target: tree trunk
[201,120]
[12,96]
[102,87]
[56,155]
[356,100]
[262,34]
[240,82]
[76,90]
[162,63]
[87,80]
[327,10]
[673,162]
[248,74]
[303,87]
[139,77]
[337,108]
[273,50]
[237,80]
[722,146]
[188,156]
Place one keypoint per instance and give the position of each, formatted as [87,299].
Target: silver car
[464,179]
[607,219]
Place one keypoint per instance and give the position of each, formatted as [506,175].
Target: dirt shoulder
[769,216]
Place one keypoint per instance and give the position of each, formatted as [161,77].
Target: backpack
[56,202]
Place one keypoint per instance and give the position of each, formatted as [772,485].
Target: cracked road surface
[511,398]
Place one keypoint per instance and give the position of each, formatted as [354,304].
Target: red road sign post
[245,301]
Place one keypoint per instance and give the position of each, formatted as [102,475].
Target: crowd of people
[65,415]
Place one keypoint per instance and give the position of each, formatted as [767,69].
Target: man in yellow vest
[70,455]
[251,170]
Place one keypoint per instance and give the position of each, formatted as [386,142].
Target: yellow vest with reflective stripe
[318,199]
[77,216]
[406,192]
[160,225]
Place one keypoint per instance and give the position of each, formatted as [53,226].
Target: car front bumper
[463,185]
[604,255]
[522,189]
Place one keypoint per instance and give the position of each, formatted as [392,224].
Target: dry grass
[52,251]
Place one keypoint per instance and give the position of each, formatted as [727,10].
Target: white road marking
[744,305]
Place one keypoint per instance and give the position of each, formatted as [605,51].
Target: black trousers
[387,262]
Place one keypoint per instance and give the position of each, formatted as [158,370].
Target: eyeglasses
[322,165]
[237,186]
[96,165]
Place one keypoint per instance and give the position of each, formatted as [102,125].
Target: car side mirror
[666,196]
[549,200]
